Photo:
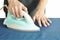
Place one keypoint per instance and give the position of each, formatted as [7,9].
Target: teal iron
[25,23]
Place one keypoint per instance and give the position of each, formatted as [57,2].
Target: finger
[39,22]
[16,10]
[47,23]
[20,12]
[13,11]
[49,20]
[25,9]
[10,9]
[34,18]
[43,22]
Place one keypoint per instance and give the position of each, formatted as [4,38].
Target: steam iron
[25,23]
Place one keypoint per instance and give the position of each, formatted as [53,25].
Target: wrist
[40,10]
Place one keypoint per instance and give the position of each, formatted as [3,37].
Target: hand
[16,7]
[41,18]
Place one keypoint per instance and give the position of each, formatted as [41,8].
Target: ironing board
[52,32]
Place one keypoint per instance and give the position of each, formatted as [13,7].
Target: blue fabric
[50,33]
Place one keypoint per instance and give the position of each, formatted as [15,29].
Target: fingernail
[45,25]
[48,24]
[40,25]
